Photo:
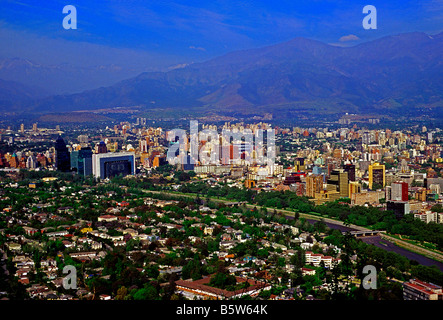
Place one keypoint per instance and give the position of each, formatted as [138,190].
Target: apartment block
[419,290]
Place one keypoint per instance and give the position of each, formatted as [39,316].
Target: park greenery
[132,272]
[370,217]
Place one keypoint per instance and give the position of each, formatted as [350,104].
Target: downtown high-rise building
[397,191]
[81,161]
[108,165]
[314,184]
[377,175]
[339,178]
[101,147]
[62,156]
[350,169]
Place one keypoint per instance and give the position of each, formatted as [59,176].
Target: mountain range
[61,78]
[397,74]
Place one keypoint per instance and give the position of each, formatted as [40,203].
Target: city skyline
[257,153]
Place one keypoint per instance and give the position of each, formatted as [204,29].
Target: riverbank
[417,249]
[337,224]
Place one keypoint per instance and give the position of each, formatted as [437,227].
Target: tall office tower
[331,164]
[359,146]
[101,147]
[403,167]
[314,184]
[34,127]
[366,138]
[316,170]
[107,165]
[22,128]
[350,169]
[143,145]
[429,137]
[400,208]
[82,161]
[354,187]
[62,157]
[300,164]
[13,161]
[377,175]
[83,139]
[399,191]
[339,178]
[31,162]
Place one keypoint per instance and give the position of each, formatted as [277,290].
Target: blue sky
[154,34]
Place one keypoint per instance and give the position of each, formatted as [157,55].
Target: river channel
[389,246]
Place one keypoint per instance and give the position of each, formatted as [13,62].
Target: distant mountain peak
[395,73]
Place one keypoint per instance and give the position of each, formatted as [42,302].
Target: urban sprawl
[132,222]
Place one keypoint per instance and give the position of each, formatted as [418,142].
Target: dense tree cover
[122,277]
[283,200]
[224,191]
[385,220]
[223,281]
[393,264]
[389,264]
[248,248]
[357,254]
[339,278]
[192,270]
[147,293]
[430,274]
[371,217]
[167,168]
[136,276]
[9,283]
